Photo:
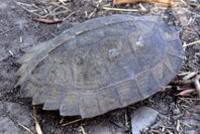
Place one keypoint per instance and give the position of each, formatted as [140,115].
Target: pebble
[142,118]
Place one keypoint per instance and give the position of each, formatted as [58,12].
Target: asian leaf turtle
[101,64]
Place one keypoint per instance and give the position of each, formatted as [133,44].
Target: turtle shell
[102,64]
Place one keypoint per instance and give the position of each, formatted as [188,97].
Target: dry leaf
[163,2]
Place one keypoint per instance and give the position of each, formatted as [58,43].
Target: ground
[19,32]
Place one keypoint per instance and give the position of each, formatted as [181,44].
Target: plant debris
[37,125]
[162,2]
[47,21]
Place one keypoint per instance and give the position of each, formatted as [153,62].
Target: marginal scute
[87,107]
[100,65]
[108,99]
[70,104]
[51,105]
[39,97]
[54,98]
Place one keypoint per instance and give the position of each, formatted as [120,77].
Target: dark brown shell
[101,64]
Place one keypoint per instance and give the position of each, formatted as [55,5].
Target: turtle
[100,65]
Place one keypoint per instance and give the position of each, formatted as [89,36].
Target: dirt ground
[19,32]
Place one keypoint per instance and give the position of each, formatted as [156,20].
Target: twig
[182,1]
[120,9]
[116,124]
[82,130]
[26,128]
[126,119]
[154,131]
[47,21]
[178,125]
[181,82]
[193,99]
[37,125]
[61,6]
[163,2]
[194,4]
[191,44]
[189,76]
[11,53]
[61,120]
[169,131]
[9,30]
[55,13]
[71,122]
[72,13]
[21,5]
[142,7]
[197,84]
[186,92]
[184,73]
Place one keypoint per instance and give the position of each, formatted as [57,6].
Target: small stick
[164,2]
[26,128]
[126,120]
[197,84]
[21,5]
[142,7]
[61,120]
[47,21]
[191,44]
[4,32]
[82,130]
[37,125]
[11,53]
[71,122]
[62,6]
[169,131]
[181,82]
[116,124]
[186,92]
[184,73]
[54,14]
[189,76]
[72,13]
[120,9]
[193,99]
[194,4]
[178,126]
[182,1]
